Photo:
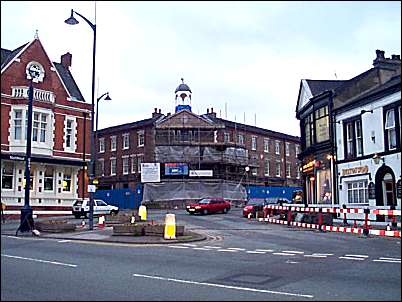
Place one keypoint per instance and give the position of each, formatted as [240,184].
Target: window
[266,145]
[113,166]
[324,187]
[133,164]
[39,126]
[278,169]
[102,145]
[277,147]
[113,143]
[254,171]
[126,141]
[308,130]
[67,180]
[240,139]
[125,165]
[69,134]
[322,124]
[287,150]
[392,127]
[17,124]
[353,138]
[139,161]
[101,165]
[48,179]
[288,170]
[141,138]
[7,175]
[298,172]
[357,191]
[253,143]
[297,150]
[226,137]
[266,167]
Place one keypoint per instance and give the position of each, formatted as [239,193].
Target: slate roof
[319,86]
[182,87]
[65,74]
[128,126]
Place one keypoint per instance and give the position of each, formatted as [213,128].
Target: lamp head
[71,20]
[107,98]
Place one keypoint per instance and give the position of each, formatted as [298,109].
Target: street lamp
[107,98]
[72,21]
[247,169]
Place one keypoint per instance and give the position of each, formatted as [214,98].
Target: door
[388,190]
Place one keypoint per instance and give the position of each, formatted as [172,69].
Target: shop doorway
[385,187]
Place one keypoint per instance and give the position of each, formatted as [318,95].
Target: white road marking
[389,261]
[39,260]
[200,249]
[227,250]
[188,244]
[386,258]
[362,256]
[293,252]
[267,251]
[62,241]
[352,258]
[316,256]
[319,254]
[178,247]
[283,254]
[255,252]
[212,247]
[236,248]
[223,286]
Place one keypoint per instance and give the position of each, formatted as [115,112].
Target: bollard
[170,226]
[132,219]
[289,217]
[142,212]
[101,221]
[320,220]
[82,223]
[366,227]
[345,221]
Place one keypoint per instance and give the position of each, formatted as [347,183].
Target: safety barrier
[290,209]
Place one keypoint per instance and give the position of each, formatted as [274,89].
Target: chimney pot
[212,109]
[155,109]
[66,60]
[207,110]
[160,111]
[396,57]
[380,54]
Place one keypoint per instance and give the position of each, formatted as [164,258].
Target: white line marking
[200,249]
[389,261]
[351,258]
[255,252]
[293,252]
[236,248]
[316,256]
[178,247]
[224,250]
[395,259]
[267,251]
[223,286]
[188,244]
[62,241]
[39,260]
[283,254]
[319,254]
[363,256]
[212,247]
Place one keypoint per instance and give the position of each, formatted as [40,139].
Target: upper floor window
[126,141]
[266,145]
[141,138]
[69,139]
[253,143]
[287,149]
[17,124]
[322,124]
[113,143]
[240,139]
[392,126]
[288,170]
[226,137]
[101,165]
[298,172]
[297,150]
[125,165]
[278,169]
[277,147]
[353,138]
[112,166]
[102,145]
[266,167]
[308,130]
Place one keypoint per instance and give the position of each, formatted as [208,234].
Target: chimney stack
[207,110]
[391,64]
[66,60]
[156,114]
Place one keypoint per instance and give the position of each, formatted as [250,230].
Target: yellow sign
[95,181]
[355,170]
[308,167]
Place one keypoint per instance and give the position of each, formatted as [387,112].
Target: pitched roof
[319,86]
[8,55]
[128,126]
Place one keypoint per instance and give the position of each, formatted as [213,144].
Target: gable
[184,119]
[304,95]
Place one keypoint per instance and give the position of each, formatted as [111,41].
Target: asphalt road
[241,260]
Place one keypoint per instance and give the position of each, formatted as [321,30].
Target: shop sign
[355,170]
[371,190]
[308,167]
[398,189]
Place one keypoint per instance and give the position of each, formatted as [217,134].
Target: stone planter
[128,229]
[154,230]
[55,226]
[121,218]
[179,230]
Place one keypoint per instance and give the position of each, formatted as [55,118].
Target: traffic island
[55,226]
[144,229]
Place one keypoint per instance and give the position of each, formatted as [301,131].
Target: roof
[65,75]
[182,87]
[319,86]
[8,55]
[128,126]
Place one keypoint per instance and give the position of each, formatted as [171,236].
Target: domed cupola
[183,97]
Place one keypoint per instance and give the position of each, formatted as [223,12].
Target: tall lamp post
[107,98]
[72,21]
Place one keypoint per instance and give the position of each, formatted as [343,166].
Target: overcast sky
[244,59]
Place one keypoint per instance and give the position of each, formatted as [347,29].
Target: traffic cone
[82,223]
[101,222]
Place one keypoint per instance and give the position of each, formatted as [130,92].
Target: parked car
[81,208]
[258,204]
[209,205]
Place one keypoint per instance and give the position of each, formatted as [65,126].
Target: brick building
[60,131]
[203,154]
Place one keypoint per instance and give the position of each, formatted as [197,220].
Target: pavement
[98,234]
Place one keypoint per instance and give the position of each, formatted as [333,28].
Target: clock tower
[183,97]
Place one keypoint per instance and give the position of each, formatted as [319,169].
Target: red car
[209,205]
[253,205]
